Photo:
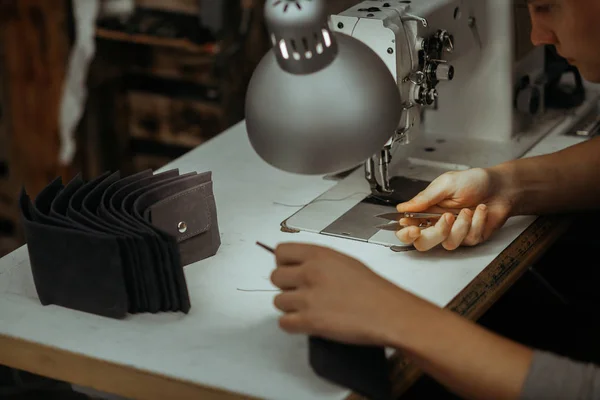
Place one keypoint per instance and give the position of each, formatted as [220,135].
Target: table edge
[101,375]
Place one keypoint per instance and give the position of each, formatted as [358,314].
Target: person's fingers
[437,191]
[435,235]
[290,301]
[475,235]
[287,277]
[408,235]
[459,231]
[496,218]
[293,322]
[293,253]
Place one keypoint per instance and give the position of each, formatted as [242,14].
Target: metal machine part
[528,97]
[301,39]
[415,56]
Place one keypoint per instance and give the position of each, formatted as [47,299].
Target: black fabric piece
[148,285]
[362,369]
[58,208]
[170,252]
[164,261]
[162,249]
[74,269]
[151,249]
[142,254]
[91,250]
[199,237]
[40,210]
[127,243]
[75,213]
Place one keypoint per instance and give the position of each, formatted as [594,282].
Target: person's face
[573,27]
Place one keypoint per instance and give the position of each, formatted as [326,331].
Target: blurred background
[146,81]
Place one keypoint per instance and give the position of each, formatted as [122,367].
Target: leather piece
[164,246]
[127,243]
[60,276]
[152,251]
[76,213]
[94,248]
[191,202]
[362,369]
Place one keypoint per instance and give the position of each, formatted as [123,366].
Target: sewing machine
[472,90]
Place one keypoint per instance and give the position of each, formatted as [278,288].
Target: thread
[383,200]
[319,200]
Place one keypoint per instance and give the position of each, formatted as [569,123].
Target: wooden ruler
[475,299]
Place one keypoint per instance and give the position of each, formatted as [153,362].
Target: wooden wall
[165,97]
[34,42]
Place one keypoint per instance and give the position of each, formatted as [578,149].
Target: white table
[230,343]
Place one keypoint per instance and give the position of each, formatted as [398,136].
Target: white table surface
[230,339]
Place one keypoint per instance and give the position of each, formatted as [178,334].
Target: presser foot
[381,187]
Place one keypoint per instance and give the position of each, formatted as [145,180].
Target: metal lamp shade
[325,121]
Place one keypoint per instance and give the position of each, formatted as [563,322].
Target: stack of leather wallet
[112,246]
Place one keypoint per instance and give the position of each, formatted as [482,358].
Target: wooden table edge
[131,382]
[104,376]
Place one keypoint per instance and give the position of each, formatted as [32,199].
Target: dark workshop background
[166,80]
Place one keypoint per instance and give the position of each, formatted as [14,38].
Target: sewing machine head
[446,83]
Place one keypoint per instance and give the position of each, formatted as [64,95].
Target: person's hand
[331,295]
[479,197]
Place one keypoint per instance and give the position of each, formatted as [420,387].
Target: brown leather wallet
[113,245]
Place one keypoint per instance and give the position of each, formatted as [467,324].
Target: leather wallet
[117,245]
[363,369]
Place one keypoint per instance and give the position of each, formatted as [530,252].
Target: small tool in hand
[267,248]
[393,227]
[397,216]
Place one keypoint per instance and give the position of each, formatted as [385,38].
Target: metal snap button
[182,227]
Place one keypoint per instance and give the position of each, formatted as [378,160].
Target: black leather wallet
[363,369]
[113,246]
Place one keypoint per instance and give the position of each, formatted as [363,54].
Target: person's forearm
[567,180]
[467,359]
